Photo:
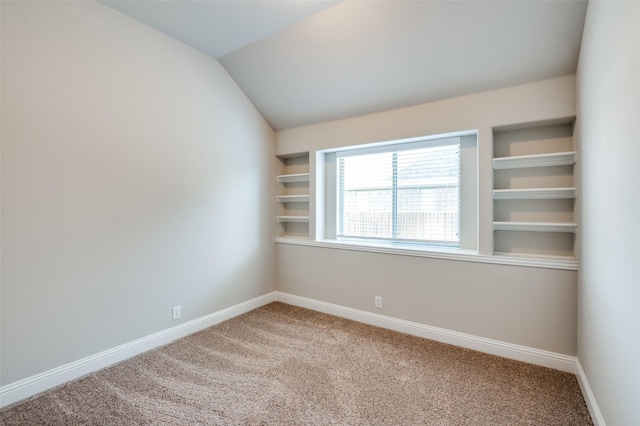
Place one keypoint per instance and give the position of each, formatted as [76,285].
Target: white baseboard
[33,385]
[495,347]
[589,397]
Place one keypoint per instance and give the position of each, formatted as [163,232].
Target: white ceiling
[217,27]
[304,62]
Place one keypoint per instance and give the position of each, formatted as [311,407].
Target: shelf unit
[293,195]
[534,192]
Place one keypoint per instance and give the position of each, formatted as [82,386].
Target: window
[401,192]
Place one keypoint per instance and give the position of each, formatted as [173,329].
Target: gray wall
[133,180]
[533,307]
[608,136]
[527,306]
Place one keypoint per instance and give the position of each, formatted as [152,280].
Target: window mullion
[394,196]
[340,196]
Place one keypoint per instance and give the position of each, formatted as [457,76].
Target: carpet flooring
[284,365]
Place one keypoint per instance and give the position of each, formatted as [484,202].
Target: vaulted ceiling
[303,62]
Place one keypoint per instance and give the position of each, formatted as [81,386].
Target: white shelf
[298,177]
[535,194]
[293,198]
[535,227]
[539,160]
[301,219]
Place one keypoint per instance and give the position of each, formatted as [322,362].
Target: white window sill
[434,252]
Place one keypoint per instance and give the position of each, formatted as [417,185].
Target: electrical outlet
[378,302]
[177,312]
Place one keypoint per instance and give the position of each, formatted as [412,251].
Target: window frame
[393,148]
[325,195]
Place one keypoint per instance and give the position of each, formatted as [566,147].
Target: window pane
[428,194]
[365,199]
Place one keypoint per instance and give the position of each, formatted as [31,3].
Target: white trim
[589,397]
[548,359]
[438,253]
[30,386]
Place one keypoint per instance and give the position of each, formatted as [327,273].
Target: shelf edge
[299,219]
[298,177]
[535,227]
[292,198]
[535,194]
[538,160]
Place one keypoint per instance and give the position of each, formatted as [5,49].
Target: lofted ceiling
[303,62]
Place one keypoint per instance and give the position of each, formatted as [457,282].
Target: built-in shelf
[535,194]
[535,226]
[533,191]
[300,219]
[538,160]
[293,198]
[292,213]
[298,177]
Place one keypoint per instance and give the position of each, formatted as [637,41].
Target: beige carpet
[283,365]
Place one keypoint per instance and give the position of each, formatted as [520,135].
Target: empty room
[320,212]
